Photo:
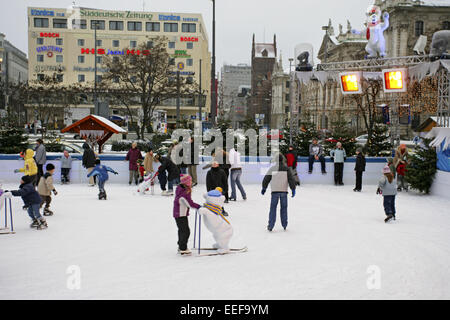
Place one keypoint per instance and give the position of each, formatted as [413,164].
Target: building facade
[62,41]
[280,96]
[264,57]
[234,83]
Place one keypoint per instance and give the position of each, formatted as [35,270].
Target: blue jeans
[173,182]
[183,170]
[282,198]
[236,180]
[33,211]
[101,185]
[389,205]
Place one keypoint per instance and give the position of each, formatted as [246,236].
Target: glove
[293,193]
[16,170]
[55,192]
[332,158]
[379,191]
[263,191]
[345,158]
[8,194]
[116,173]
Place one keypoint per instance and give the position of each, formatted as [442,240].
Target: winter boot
[34,224]
[42,224]
[389,217]
[185,252]
[48,212]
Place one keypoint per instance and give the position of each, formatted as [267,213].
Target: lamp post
[213,68]
[95,24]
[325,28]
[178,100]
[200,95]
[291,109]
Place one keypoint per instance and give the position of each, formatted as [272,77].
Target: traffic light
[351,82]
[394,80]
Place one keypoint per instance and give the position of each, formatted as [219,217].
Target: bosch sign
[189,39]
[35,12]
[49,35]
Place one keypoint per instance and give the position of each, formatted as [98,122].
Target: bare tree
[144,77]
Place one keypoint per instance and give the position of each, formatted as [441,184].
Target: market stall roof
[93,123]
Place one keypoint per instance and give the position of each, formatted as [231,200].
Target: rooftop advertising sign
[115,14]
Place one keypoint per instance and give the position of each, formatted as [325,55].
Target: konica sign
[35,12]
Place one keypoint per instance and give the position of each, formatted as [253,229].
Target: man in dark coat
[216,177]
[89,161]
[172,176]
[40,156]
[360,167]
[133,155]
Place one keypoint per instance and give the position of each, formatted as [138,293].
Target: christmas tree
[378,144]
[301,139]
[422,167]
[341,133]
[12,141]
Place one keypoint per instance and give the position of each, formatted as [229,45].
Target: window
[59,77]
[171,61]
[418,28]
[80,59]
[99,78]
[116,25]
[190,45]
[153,26]
[171,45]
[149,44]
[81,78]
[189,62]
[99,59]
[134,26]
[40,77]
[99,43]
[60,23]
[99,24]
[40,41]
[40,58]
[59,58]
[133,44]
[189,27]
[81,42]
[59,42]
[190,80]
[79,24]
[288,84]
[116,59]
[41,22]
[115,43]
[446,25]
[287,97]
[170,27]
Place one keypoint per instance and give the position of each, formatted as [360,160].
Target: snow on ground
[126,248]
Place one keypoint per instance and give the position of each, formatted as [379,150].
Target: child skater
[45,189]
[339,156]
[387,187]
[101,172]
[66,165]
[360,167]
[141,170]
[32,201]
[181,204]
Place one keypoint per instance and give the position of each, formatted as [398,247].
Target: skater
[316,154]
[89,162]
[360,167]
[192,167]
[181,204]
[220,227]
[101,172]
[236,172]
[216,177]
[148,161]
[222,158]
[66,165]
[291,159]
[141,170]
[32,201]
[400,163]
[390,164]
[30,168]
[45,189]
[280,179]
[387,188]
[339,156]
[40,157]
[133,155]
[172,176]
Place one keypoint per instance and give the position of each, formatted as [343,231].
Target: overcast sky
[293,21]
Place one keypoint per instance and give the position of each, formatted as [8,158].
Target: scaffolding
[443,112]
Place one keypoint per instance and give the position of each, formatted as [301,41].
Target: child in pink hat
[387,187]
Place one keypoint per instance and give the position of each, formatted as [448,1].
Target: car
[361,140]
[58,146]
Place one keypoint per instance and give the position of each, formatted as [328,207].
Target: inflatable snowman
[220,227]
[374,32]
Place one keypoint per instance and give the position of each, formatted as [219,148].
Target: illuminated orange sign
[351,82]
[395,80]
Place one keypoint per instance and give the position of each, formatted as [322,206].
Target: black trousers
[359,175]
[338,172]
[183,232]
[40,172]
[65,174]
[311,163]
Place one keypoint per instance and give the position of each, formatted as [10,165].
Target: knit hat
[386,170]
[359,150]
[26,179]
[186,180]
[49,167]
[214,193]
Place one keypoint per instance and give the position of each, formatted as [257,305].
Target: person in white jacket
[220,227]
[234,158]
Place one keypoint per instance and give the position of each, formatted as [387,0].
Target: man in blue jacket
[101,172]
